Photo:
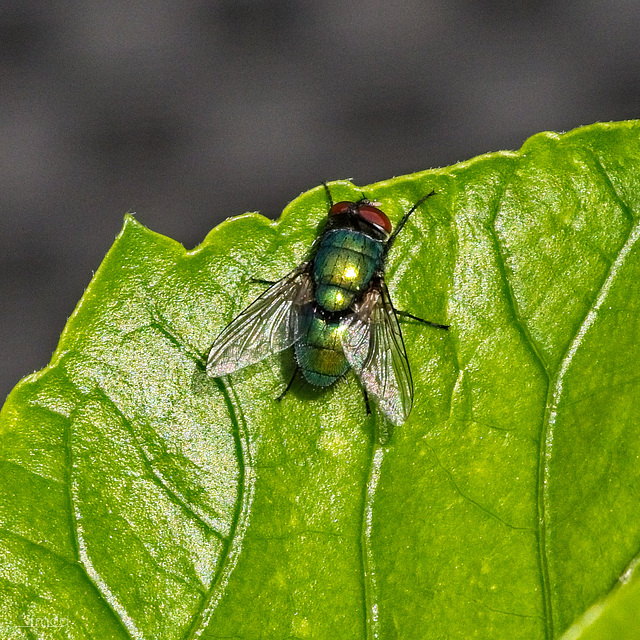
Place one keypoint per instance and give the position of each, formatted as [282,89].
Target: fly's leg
[293,377]
[405,217]
[382,427]
[261,281]
[329,198]
[366,401]
[363,200]
[406,314]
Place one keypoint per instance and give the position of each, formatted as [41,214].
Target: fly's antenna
[405,217]
[329,198]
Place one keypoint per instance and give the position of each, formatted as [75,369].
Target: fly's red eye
[374,216]
[340,207]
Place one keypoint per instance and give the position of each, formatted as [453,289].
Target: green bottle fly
[344,263]
[335,310]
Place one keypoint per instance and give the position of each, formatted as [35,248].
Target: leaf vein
[553,400]
[75,565]
[500,611]
[246,491]
[523,329]
[157,478]
[369,584]
[611,187]
[472,500]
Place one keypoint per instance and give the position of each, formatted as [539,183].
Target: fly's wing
[374,348]
[268,325]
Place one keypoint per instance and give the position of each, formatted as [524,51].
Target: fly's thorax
[319,351]
[343,266]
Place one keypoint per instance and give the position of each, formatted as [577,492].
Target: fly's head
[362,215]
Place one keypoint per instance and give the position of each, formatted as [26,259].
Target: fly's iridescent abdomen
[345,261]
[343,266]
[319,352]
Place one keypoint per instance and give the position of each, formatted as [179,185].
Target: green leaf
[616,616]
[141,499]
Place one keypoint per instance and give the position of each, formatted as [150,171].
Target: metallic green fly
[335,310]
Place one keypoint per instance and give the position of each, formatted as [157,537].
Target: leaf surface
[141,499]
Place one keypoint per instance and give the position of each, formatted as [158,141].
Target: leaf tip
[130,220]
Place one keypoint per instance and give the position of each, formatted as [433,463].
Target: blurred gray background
[191,111]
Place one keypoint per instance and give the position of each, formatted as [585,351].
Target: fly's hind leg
[366,400]
[293,377]
[382,426]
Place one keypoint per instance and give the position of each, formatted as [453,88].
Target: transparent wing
[268,325]
[374,348]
